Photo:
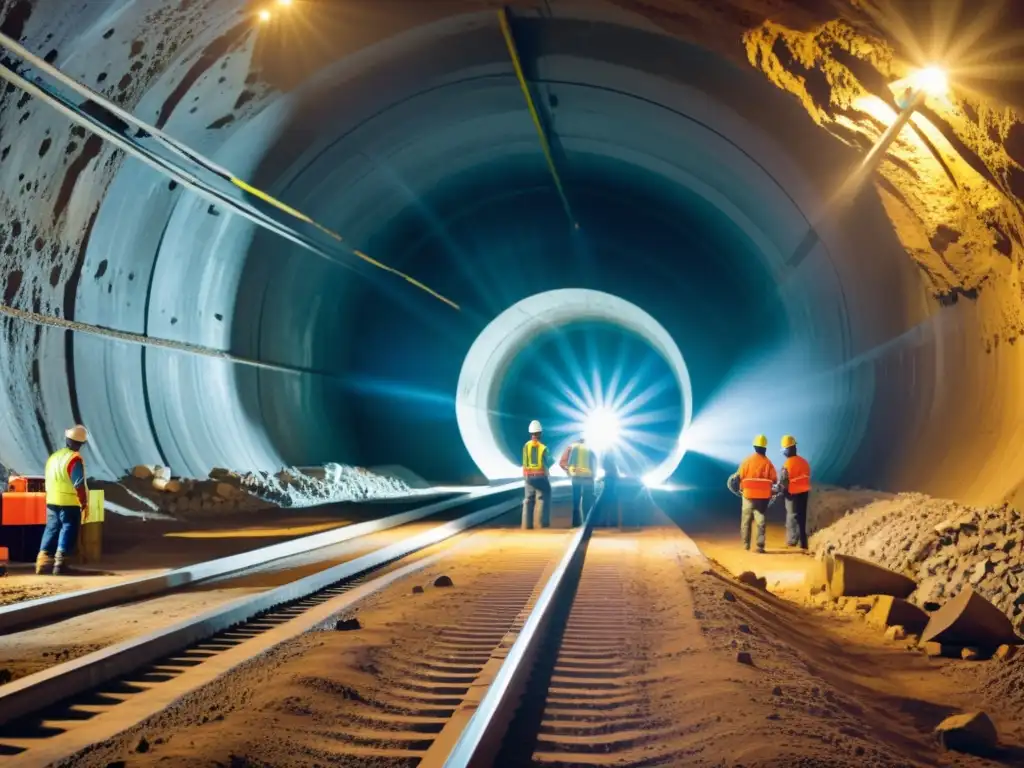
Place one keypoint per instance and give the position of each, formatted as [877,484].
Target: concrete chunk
[852,577]
[892,611]
[973,732]
[970,620]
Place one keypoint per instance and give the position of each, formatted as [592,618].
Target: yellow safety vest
[60,491]
[580,461]
[534,453]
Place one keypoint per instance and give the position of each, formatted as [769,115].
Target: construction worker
[794,485]
[67,502]
[753,482]
[578,463]
[536,463]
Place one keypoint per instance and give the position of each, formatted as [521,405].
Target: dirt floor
[648,673]
[134,547]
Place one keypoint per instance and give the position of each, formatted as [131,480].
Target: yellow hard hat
[760,441]
[788,441]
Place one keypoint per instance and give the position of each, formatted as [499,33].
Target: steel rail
[35,692]
[481,739]
[46,609]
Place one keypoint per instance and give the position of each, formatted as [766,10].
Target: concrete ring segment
[491,355]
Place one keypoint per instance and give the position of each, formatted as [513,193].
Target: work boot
[61,567]
[760,550]
[43,563]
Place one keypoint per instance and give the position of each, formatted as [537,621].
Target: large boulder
[973,732]
[850,576]
[970,620]
[890,611]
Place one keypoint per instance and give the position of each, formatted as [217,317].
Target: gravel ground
[649,670]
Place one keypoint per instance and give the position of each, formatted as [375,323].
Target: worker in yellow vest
[67,503]
[753,482]
[536,463]
[795,486]
[578,462]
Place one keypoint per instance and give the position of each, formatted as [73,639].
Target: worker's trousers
[753,511]
[61,532]
[582,499]
[796,520]
[536,505]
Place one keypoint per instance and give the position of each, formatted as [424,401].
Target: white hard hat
[535,427]
[78,433]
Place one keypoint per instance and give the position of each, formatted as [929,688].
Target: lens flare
[602,429]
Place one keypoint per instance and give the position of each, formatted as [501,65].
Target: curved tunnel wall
[404,137]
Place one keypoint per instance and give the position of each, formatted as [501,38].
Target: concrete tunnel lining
[202,413]
[516,328]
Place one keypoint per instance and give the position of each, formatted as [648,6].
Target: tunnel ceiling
[401,125]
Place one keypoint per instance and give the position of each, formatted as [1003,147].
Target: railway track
[39,713]
[540,660]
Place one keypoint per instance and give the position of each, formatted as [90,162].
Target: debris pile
[153,490]
[943,546]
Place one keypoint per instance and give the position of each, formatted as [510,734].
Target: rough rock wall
[952,186]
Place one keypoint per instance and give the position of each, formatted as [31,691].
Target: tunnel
[698,150]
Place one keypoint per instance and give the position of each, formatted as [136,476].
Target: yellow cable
[369,260]
[517,65]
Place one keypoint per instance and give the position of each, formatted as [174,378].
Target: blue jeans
[61,532]
[582,499]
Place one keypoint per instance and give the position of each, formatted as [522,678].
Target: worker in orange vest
[753,482]
[536,463]
[795,486]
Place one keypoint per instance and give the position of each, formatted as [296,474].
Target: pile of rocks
[229,491]
[941,545]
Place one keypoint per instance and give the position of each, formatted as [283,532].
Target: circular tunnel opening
[598,381]
[686,208]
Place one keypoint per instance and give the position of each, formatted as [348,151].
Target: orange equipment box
[23,509]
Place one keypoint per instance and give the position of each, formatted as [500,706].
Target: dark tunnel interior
[697,186]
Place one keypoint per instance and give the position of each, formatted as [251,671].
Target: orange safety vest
[534,454]
[799,474]
[757,476]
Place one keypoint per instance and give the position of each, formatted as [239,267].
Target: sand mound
[942,545]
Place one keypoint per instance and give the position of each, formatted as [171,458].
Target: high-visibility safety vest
[60,492]
[534,459]
[581,461]
[799,474]
[757,476]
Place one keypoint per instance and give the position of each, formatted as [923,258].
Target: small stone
[417,590]
[6,676]
[142,472]
[1005,652]
[142,746]
[745,658]
[777,690]
[744,629]
[226,490]
[751,580]
[443,581]
[729,596]
[347,625]
[931,606]
[974,654]
[933,650]
[116,764]
[973,733]
[895,633]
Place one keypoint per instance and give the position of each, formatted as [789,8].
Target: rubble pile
[941,545]
[228,491]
